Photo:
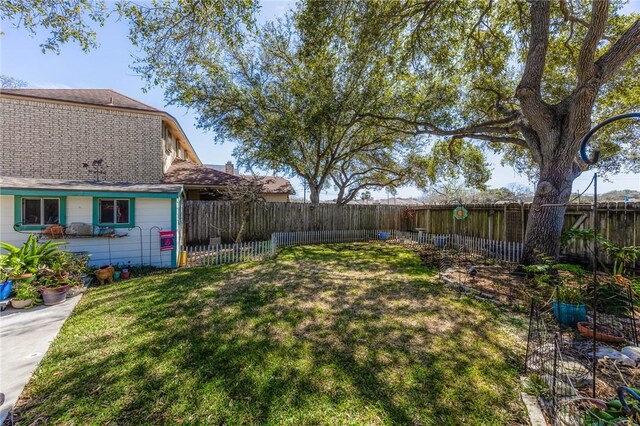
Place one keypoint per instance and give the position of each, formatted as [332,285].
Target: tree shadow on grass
[298,341]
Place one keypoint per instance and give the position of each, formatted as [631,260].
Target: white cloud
[48,85]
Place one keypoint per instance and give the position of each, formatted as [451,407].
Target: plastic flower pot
[55,295]
[5,289]
[568,314]
[125,274]
[383,235]
[21,304]
[116,275]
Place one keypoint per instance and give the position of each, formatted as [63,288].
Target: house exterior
[52,139]
[135,212]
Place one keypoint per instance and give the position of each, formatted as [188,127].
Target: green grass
[335,334]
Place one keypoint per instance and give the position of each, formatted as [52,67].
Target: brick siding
[51,141]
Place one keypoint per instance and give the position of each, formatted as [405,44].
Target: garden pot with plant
[53,290]
[5,284]
[568,307]
[25,296]
[23,262]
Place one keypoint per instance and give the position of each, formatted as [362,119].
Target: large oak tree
[523,79]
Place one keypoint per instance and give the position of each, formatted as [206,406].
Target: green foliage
[622,255]
[569,294]
[29,257]
[537,386]
[24,291]
[65,20]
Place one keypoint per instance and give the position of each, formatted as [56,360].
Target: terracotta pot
[55,295]
[603,333]
[21,304]
[125,275]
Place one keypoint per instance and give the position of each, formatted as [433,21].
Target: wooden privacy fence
[618,221]
[220,254]
[210,219]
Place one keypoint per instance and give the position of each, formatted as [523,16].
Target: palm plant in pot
[25,296]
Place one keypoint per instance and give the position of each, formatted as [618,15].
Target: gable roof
[98,97]
[184,172]
[102,98]
[272,184]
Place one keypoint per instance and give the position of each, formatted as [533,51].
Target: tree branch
[528,92]
[624,48]
[595,31]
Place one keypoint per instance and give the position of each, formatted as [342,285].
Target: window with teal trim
[114,212]
[33,212]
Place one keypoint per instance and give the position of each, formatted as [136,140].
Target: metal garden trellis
[592,159]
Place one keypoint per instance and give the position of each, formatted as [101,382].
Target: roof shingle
[98,97]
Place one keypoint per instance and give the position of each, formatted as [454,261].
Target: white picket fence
[220,254]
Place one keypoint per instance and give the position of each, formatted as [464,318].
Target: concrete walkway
[25,336]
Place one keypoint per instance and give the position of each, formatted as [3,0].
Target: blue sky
[108,67]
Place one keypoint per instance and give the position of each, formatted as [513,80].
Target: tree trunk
[314,194]
[546,217]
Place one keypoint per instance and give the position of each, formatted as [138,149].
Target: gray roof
[99,97]
[79,185]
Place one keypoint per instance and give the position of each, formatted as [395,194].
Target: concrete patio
[25,336]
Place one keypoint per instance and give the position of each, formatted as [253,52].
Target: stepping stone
[632,352]
[614,355]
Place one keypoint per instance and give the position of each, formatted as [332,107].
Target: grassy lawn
[336,334]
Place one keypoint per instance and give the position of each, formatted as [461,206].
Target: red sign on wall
[167,240]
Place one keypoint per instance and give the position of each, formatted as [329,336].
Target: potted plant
[25,296]
[24,261]
[568,306]
[124,274]
[53,289]
[5,284]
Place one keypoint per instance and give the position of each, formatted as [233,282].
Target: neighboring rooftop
[98,97]
[273,184]
[9,183]
[391,201]
[186,173]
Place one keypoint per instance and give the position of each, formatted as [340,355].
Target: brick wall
[48,140]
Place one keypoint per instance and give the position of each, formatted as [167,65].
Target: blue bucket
[5,289]
[383,235]
[568,314]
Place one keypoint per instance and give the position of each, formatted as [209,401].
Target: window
[40,211]
[113,212]
[35,212]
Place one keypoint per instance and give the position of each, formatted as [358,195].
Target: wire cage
[572,385]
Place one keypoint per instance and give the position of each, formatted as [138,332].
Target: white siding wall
[126,250]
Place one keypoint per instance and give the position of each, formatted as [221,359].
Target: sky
[108,67]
